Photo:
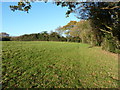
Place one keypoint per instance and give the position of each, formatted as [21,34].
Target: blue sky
[42,17]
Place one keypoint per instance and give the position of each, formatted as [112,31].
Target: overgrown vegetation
[40,64]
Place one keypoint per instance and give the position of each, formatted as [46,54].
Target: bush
[109,44]
[5,39]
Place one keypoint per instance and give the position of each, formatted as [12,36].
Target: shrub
[5,39]
[109,44]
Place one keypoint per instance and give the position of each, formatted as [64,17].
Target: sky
[41,17]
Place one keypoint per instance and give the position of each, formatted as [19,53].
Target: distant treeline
[44,36]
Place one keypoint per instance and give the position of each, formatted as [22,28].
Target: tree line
[43,36]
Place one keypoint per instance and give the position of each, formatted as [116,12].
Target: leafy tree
[66,29]
[59,31]
[54,36]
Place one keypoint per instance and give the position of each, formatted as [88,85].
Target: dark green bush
[5,39]
[109,44]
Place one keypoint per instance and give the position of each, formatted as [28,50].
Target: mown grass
[38,64]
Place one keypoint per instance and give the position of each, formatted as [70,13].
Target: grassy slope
[57,64]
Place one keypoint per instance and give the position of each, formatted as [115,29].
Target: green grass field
[37,64]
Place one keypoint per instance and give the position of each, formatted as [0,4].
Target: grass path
[57,64]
